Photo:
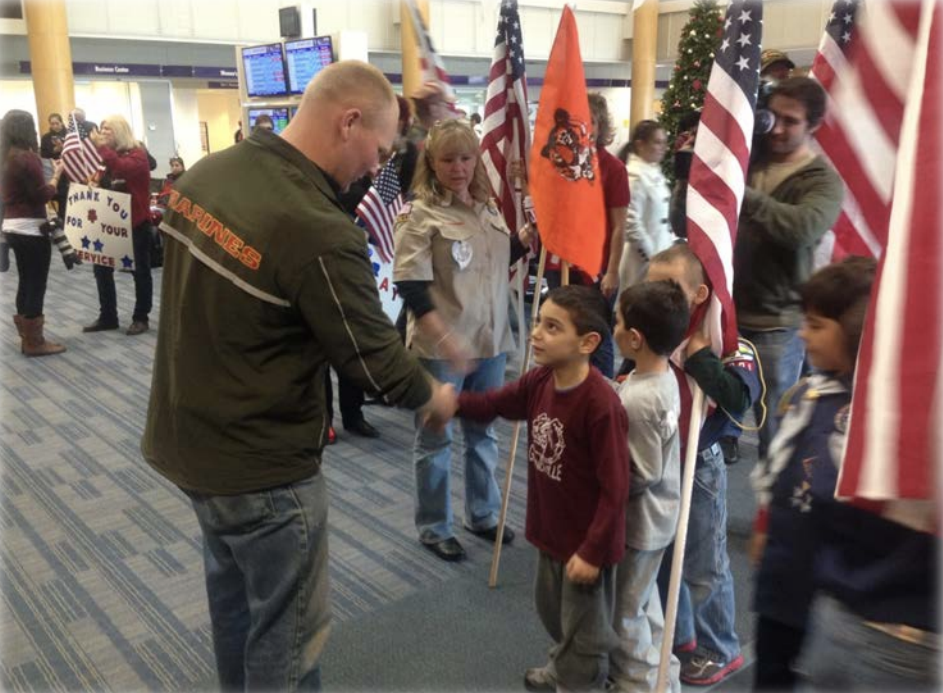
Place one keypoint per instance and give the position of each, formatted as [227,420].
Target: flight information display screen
[279,117]
[306,58]
[264,70]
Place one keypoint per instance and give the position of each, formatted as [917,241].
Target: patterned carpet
[102,566]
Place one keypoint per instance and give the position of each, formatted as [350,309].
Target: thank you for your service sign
[98,225]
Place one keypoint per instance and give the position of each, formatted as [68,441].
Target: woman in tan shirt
[453,250]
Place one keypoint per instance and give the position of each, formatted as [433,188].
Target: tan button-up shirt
[465,252]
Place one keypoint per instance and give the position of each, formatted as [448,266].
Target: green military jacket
[776,240]
[266,281]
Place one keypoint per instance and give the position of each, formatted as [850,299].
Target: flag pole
[677,558]
[564,273]
[496,556]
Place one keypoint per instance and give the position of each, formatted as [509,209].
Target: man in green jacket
[267,281]
[793,198]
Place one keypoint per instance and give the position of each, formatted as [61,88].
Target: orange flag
[564,170]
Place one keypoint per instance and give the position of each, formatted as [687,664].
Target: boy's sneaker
[540,679]
[686,648]
[704,670]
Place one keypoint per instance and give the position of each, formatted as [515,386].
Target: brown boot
[18,321]
[34,344]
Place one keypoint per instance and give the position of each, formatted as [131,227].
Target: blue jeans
[432,456]
[141,237]
[706,608]
[781,353]
[844,654]
[265,556]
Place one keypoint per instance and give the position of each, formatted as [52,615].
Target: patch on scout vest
[462,253]
[404,211]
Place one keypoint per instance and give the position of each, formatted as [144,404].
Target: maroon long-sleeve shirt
[25,191]
[578,462]
[132,168]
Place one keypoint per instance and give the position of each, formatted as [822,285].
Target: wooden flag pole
[496,557]
[564,273]
[677,558]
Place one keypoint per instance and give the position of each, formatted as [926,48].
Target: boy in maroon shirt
[577,484]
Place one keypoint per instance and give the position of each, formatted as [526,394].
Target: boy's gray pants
[579,618]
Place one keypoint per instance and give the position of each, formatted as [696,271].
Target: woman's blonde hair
[446,137]
[124,138]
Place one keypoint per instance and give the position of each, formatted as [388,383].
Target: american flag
[895,438]
[379,207]
[862,126]
[506,129]
[721,158]
[433,69]
[80,158]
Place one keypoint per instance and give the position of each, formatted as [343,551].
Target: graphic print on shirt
[547,446]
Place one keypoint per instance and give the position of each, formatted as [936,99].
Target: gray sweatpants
[579,619]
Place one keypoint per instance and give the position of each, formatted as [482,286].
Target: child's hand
[757,546]
[697,342]
[581,572]
[441,407]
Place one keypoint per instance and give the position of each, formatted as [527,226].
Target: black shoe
[99,326]
[539,679]
[447,549]
[491,534]
[362,429]
[138,327]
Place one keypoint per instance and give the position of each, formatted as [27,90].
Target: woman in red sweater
[25,194]
[126,170]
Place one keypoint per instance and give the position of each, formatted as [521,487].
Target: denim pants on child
[579,620]
[266,566]
[432,456]
[843,653]
[640,623]
[706,608]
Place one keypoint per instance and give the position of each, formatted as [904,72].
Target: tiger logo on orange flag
[564,170]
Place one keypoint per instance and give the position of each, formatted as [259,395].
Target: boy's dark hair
[808,92]
[586,307]
[659,310]
[841,292]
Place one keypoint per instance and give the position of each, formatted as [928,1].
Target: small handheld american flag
[379,208]
[80,158]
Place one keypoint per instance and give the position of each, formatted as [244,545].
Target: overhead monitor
[305,59]
[264,70]
[279,117]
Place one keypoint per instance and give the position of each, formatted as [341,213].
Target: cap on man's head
[770,57]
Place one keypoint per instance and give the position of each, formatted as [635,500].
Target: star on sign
[86,242]
[126,262]
[745,17]
[744,40]
[98,246]
[743,63]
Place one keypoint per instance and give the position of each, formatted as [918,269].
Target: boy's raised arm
[508,402]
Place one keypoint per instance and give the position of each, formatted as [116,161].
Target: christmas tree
[687,87]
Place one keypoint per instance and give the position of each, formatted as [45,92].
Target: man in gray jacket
[266,282]
[792,200]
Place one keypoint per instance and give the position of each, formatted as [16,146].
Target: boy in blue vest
[705,639]
[801,470]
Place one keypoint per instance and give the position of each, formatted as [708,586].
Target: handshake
[441,407]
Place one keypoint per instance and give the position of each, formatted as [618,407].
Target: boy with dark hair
[650,324]
[577,483]
[800,474]
[705,637]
